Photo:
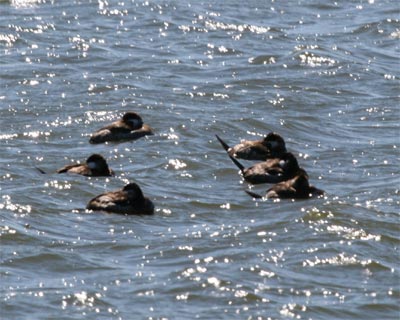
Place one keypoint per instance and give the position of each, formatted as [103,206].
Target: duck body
[272,146]
[271,170]
[129,201]
[130,127]
[297,187]
[95,166]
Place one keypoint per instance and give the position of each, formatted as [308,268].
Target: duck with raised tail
[272,146]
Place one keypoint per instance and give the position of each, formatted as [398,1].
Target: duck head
[275,143]
[134,192]
[97,162]
[133,120]
[289,163]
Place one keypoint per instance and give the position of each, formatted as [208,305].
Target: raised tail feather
[237,163]
[223,143]
[40,170]
[226,147]
[253,194]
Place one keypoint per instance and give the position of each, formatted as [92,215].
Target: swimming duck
[296,188]
[129,200]
[271,170]
[271,146]
[129,127]
[95,166]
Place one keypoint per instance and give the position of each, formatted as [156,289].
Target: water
[323,75]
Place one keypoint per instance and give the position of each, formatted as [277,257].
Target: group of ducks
[278,166]
[130,199]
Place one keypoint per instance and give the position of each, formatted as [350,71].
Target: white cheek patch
[92,165]
[282,163]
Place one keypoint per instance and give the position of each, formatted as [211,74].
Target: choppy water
[325,75]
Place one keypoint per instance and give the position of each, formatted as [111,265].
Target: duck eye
[282,163]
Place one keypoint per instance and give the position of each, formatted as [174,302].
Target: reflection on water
[321,75]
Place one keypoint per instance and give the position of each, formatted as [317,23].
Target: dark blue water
[325,75]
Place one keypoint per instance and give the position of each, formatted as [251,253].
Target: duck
[297,187]
[129,201]
[129,127]
[271,170]
[94,166]
[272,146]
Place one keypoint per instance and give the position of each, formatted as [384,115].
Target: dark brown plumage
[129,200]
[296,188]
[129,127]
[272,146]
[95,166]
[271,170]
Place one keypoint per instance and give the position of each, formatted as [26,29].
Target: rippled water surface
[325,75]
